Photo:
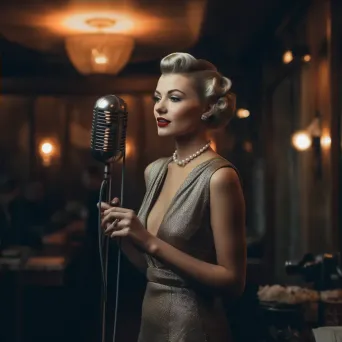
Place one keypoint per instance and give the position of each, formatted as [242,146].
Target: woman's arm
[227,209]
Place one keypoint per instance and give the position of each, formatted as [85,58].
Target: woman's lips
[162,122]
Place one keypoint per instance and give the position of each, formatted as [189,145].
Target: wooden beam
[335,56]
[92,85]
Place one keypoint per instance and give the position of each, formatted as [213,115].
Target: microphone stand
[104,248]
[106,189]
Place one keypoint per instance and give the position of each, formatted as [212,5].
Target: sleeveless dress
[173,310]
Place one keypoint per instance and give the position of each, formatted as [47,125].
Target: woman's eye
[175,99]
[155,98]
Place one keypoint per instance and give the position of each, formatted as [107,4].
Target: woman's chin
[162,132]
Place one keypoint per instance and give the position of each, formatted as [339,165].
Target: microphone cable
[119,250]
[104,244]
[101,237]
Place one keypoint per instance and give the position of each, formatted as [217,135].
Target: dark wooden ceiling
[231,34]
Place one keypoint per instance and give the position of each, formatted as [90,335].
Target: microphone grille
[109,125]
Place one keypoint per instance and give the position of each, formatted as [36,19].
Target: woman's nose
[161,108]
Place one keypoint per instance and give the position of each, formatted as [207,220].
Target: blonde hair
[211,85]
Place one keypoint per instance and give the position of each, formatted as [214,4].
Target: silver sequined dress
[173,309]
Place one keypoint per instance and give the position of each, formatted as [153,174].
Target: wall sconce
[299,52]
[306,58]
[287,57]
[243,113]
[47,151]
[312,137]
[301,140]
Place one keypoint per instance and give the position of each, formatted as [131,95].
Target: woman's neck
[188,145]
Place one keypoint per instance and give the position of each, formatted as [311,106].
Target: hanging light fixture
[100,52]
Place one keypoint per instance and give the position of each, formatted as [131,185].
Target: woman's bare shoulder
[153,166]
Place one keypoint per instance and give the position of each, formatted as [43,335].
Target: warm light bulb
[243,113]
[301,140]
[306,58]
[46,148]
[101,59]
[288,57]
[325,141]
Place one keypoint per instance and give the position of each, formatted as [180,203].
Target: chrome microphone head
[108,135]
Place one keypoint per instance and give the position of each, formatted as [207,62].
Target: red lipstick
[162,122]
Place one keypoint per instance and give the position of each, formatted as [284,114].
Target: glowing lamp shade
[301,140]
[99,53]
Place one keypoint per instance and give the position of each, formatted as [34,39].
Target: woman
[189,234]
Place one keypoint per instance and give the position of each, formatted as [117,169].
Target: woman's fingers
[116,219]
[112,216]
[106,208]
[111,226]
[120,233]
[103,206]
[116,226]
[115,202]
[116,210]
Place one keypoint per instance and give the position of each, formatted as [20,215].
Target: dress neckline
[160,185]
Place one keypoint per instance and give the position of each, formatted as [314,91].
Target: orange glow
[129,148]
[80,22]
[151,25]
[46,148]
[138,24]
[243,113]
[213,145]
[307,58]
[301,140]
[248,146]
[325,141]
[99,58]
[287,57]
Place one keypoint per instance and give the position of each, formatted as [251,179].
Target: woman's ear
[208,111]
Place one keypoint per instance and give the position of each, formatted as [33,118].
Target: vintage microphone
[108,140]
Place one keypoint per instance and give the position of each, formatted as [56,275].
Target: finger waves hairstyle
[211,85]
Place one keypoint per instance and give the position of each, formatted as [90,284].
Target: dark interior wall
[302,199]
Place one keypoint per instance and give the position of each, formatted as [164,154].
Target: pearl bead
[191,157]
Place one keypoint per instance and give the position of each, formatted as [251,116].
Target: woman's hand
[122,222]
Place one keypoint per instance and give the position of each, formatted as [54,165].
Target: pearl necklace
[191,157]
